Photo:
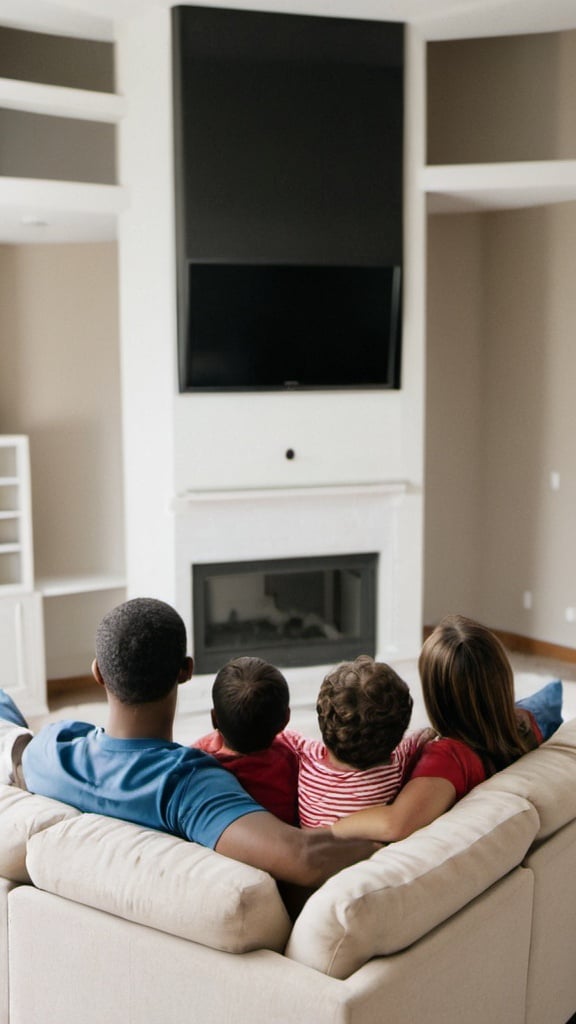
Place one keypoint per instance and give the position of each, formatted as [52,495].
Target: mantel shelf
[36,210]
[61,101]
[468,188]
[182,502]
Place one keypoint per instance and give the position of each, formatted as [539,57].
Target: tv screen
[289,326]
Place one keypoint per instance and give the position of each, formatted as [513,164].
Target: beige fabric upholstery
[124,973]
[161,881]
[22,815]
[547,778]
[121,973]
[470,970]
[5,888]
[552,973]
[384,904]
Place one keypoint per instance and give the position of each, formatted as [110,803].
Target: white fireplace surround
[249,525]
[206,476]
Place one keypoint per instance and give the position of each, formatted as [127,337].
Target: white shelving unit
[473,188]
[33,209]
[66,586]
[21,628]
[36,209]
[16,559]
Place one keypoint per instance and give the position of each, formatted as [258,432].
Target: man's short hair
[251,701]
[140,649]
[363,709]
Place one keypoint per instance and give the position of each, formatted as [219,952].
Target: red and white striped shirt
[326,793]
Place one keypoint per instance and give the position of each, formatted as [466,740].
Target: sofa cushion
[547,778]
[21,816]
[161,881]
[383,905]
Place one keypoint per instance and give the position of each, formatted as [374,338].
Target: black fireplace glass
[292,612]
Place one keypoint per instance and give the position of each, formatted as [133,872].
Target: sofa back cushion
[23,814]
[160,881]
[383,905]
[547,778]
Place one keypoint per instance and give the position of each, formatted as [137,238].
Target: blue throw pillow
[546,706]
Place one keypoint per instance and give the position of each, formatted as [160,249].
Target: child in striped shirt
[363,759]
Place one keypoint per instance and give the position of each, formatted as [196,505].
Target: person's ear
[97,674]
[186,671]
[214,719]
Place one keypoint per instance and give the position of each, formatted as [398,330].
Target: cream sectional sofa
[471,920]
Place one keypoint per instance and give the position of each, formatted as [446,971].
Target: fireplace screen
[298,611]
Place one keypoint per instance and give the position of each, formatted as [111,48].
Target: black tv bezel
[393,342]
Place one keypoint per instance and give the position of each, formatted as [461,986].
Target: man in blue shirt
[133,770]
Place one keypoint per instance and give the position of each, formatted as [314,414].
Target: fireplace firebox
[290,611]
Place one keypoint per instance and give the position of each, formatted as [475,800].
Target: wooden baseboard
[75,684]
[538,648]
[528,645]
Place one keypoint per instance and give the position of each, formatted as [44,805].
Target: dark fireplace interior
[292,612]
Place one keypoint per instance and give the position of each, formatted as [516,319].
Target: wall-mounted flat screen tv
[290,326]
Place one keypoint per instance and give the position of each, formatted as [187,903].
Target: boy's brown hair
[364,709]
[251,704]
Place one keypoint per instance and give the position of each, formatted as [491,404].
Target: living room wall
[60,385]
[500,351]
[501,419]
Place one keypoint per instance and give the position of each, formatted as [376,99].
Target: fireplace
[303,553]
[290,611]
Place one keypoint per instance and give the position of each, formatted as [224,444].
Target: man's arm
[290,854]
[418,803]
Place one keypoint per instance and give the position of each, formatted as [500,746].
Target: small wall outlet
[570,614]
[527,600]
[554,480]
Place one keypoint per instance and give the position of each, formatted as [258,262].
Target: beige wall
[454,416]
[59,383]
[501,418]
[528,539]
[501,414]
[502,99]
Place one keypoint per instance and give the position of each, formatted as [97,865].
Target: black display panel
[288,137]
[285,326]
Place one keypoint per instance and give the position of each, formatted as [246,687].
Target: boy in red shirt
[251,709]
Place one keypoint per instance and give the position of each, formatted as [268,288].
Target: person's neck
[340,766]
[154,720]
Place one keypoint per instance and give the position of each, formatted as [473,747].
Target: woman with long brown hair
[468,690]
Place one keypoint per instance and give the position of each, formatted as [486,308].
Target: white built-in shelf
[64,586]
[61,101]
[36,210]
[466,188]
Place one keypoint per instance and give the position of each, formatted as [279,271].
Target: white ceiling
[438,19]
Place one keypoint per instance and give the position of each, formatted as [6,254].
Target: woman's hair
[251,701]
[468,689]
[363,712]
